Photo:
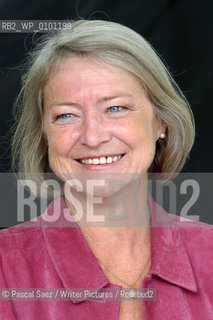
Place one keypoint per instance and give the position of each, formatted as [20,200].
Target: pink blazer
[40,254]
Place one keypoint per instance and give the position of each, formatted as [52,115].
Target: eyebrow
[103,99]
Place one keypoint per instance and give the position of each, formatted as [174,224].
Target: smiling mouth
[101,160]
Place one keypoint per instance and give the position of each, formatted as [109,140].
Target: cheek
[141,132]
[143,137]
[60,143]
[147,131]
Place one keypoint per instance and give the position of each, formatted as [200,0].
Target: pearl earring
[162,135]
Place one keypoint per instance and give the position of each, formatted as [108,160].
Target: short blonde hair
[119,46]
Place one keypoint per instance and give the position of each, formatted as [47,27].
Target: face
[98,119]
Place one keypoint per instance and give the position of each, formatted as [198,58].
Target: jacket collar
[64,240]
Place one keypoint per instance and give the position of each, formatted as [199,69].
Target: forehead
[88,76]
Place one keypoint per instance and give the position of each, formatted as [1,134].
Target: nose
[94,131]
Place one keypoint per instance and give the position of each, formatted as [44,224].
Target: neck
[118,224]
[103,207]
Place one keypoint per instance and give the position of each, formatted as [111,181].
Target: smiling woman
[99,110]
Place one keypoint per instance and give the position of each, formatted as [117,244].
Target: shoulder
[31,233]
[193,230]
[197,237]
[194,234]
[23,235]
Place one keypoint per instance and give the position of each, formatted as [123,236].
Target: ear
[161,128]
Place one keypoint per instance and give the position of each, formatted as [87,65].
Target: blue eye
[66,115]
[115,109]
[64,118]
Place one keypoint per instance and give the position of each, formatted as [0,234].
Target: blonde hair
[119,46]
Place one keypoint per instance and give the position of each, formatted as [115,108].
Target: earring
[162,135]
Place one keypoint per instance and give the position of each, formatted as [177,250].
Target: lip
[100,166]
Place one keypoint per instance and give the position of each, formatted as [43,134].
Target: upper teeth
[102,160]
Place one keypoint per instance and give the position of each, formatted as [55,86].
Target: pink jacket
[39,254]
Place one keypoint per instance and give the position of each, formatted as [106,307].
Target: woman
[100,111]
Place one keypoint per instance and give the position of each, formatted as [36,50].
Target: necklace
[129,284]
